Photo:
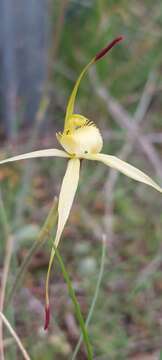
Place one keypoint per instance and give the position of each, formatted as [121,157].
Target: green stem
[94,298]
[76,306]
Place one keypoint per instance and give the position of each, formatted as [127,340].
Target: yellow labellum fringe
[84,139]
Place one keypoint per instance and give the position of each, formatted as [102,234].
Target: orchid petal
[70,106]
[36,154]
[124,168]
[67,193]
[99,55]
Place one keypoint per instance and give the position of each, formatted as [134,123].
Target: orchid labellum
[80,139]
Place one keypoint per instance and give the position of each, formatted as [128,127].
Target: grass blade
[15,336]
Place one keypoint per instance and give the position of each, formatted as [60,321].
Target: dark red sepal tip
[103,52]
[47,317]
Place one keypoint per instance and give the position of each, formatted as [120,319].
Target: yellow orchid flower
[81,139]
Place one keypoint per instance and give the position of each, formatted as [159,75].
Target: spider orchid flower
[80,139]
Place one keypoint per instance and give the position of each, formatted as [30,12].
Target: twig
[146,98]
[122,117]
[15,336]
[125,121]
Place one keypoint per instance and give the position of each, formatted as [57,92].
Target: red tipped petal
[103,52]
[47,317]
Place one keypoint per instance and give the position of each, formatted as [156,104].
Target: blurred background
[43,47]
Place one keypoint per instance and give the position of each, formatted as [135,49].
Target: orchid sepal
[36,154]
[124,167]
[66,197]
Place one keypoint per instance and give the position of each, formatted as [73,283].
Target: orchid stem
[76,305]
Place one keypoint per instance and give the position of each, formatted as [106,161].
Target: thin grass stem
[91,310]
[44,233]
[15,336]
[7,260]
